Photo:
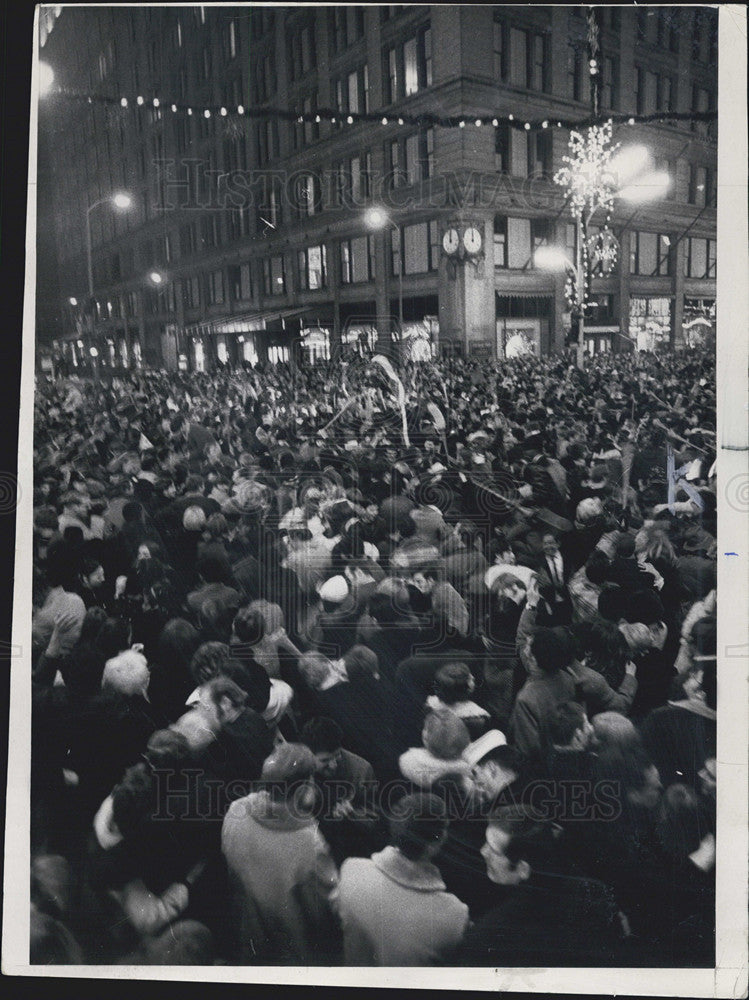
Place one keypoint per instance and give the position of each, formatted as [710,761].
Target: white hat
[477,750]
[334,590]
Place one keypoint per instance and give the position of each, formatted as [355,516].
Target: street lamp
[377,218]
[156,278]
[120,200]
[595,174]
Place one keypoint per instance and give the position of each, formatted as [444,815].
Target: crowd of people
[364,664]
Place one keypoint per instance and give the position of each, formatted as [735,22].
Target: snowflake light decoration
[586,175]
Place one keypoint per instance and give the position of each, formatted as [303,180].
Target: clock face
[472,240]
[451,241]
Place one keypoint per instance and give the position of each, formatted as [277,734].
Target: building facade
[252,238]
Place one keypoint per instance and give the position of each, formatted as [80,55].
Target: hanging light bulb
[140,100]
[240,110]
[123,102]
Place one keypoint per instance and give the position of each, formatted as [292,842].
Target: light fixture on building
[156,278]
[93,352]
[73,300]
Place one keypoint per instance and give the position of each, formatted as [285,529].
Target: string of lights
[424,119]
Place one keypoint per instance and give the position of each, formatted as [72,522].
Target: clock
[472,240]
[451,241]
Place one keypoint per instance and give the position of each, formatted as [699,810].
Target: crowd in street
[383,665]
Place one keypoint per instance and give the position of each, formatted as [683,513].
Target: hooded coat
[281,876]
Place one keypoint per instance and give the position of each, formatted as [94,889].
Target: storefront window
[316,344]
[650,323]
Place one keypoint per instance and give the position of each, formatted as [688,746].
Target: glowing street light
[156,278]
[628,163]
[647,188]
[122,200]
[73,300]
[552,259]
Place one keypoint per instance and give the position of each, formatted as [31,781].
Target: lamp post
[595,175]
[378,218]
[121,200]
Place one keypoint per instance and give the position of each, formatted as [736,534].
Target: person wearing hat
[281,873]
[497,777]
[393,906]
[335,629]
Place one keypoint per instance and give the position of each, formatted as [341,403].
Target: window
[700,38]
[311,128]
[412,159]
[665,93]
[499,53]
[308,195]
[578,77]
[274,276]
[610,83]
[539,154]
[408,66]
[500,241]
[205,63]
[700,102]
[182,134]
[238,222]
[337,30]
[352,92]
[642,24]
[210,230]
[537,61]
[267,141]
[540,233]
[697,185]
[191,292]
[265,78]
[699,258]
[528,58]
[518,242]
[312,268]
[357,260]
[308,56]
[502,147]
[230,41]
[240,282]
[418,248]
[650,254]
[352,180]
